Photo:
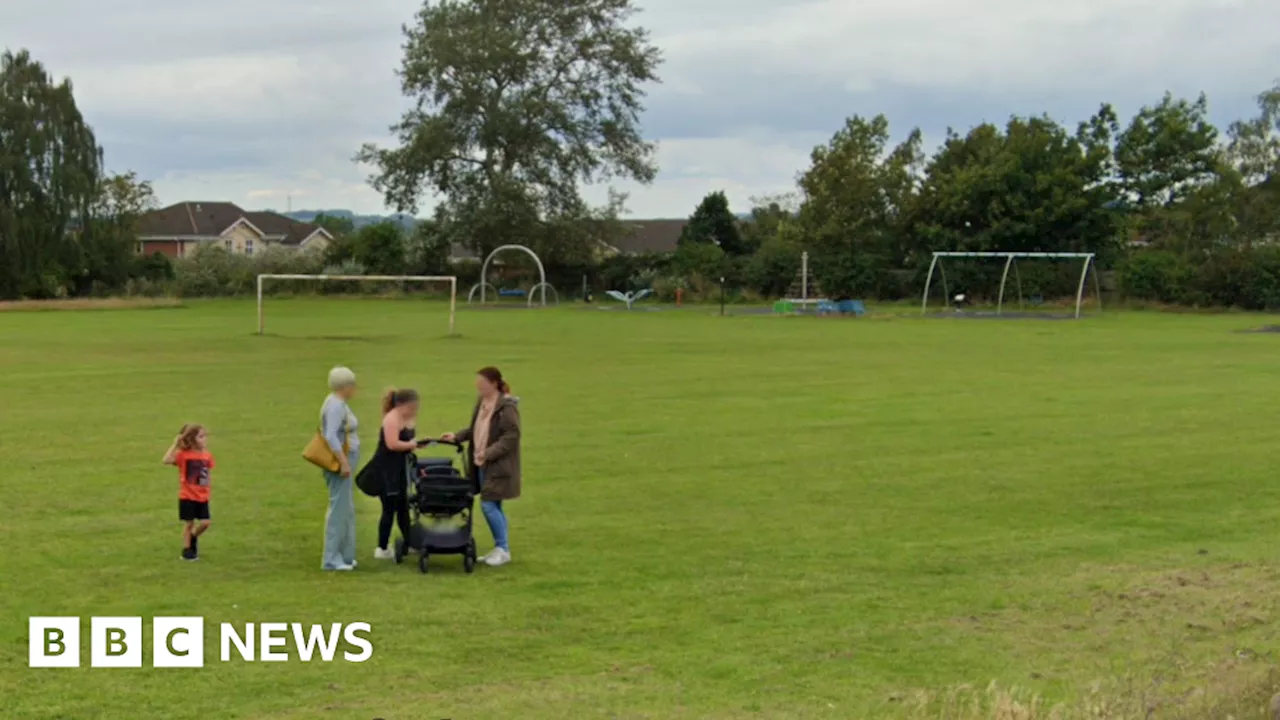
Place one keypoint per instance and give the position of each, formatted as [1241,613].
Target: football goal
[1087,262]
[450,279]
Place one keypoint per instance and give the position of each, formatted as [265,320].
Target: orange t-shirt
[194,468]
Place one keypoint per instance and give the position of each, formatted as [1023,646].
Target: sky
[264,103]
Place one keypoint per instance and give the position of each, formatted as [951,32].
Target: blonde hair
[341,377]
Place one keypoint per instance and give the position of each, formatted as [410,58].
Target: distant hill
[405,221]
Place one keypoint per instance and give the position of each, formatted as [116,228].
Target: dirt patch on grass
[1184,643]
[89,304]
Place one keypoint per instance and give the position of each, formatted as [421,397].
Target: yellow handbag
[318,453]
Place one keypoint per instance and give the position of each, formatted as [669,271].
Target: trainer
[493,455]
[338,425]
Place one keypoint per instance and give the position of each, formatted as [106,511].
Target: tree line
[518,105]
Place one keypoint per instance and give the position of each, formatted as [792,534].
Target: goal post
[1089,261]
[450,279]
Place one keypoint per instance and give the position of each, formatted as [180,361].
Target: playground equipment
[804,291]
[1088,260]
[629,298]
[855,308]
[542,286]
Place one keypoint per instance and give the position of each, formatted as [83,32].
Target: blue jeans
[340,519]
[494,515]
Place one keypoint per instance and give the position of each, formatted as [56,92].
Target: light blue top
[337,421]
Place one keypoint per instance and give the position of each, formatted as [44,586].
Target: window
[248,247]
[226,244]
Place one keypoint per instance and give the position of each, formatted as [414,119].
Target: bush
[1157,275]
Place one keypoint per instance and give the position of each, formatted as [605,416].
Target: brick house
[178,229]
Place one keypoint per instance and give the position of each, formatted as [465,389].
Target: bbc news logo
[178,642]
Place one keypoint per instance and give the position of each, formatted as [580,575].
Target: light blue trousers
[496,518]
[340,520]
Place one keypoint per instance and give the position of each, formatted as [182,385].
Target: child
[190,453]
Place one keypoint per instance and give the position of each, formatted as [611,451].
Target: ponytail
[494,376]
[395,398]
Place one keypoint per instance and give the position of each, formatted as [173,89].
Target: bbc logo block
[54,642]
[178,642]
[115,642]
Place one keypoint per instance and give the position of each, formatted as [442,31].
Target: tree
[50,165]
[107,241]
[768,215]
[517,102]
[857,196]
[1031,188]
[1166,151]
[712,222]
[428,250]
[380,249]
[337,225]
[1253,155]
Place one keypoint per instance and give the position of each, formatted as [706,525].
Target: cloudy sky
[263,102]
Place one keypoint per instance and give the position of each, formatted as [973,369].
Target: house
[177,230]
[639,237]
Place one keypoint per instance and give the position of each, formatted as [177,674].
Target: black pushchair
[442,502]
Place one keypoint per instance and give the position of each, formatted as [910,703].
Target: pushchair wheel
[469,557]
[422,563]
[401,551]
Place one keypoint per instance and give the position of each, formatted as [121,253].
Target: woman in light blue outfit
[338,425]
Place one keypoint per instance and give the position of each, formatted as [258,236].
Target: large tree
[50,165]
[857,193]
[1031,187]
[516,104]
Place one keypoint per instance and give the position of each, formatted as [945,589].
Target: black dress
[387,472]
[392,467]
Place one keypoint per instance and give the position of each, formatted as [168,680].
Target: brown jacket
[502,457]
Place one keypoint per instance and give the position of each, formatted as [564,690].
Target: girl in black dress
[391,461]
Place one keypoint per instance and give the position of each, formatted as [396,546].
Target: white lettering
[271,637]
[350,634]
[231,637]
[307,645]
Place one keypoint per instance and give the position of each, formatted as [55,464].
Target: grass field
[723,517]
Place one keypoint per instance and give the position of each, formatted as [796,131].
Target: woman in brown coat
[493,455]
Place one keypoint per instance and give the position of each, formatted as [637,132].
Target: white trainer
[497,557]
[383,554]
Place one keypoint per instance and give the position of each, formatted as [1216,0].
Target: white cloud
[259,102]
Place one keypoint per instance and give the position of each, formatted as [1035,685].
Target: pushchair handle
[428,442]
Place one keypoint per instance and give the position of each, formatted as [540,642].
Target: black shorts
[191,510]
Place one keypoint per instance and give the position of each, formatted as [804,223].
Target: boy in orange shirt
[190,453]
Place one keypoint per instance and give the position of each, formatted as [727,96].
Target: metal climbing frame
[1010,261]
[542,277]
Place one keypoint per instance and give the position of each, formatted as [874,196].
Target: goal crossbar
[1010,258]
[451,279]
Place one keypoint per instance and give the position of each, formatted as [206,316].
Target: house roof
[649,236]
[212,219]
[190,219]
[291,232]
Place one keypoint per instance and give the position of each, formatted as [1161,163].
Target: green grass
[723,517]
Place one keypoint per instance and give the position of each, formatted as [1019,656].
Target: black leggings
[394,507]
